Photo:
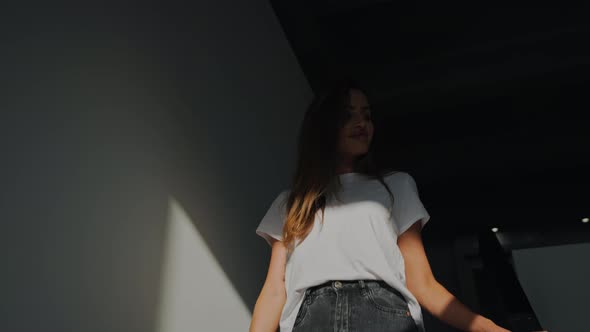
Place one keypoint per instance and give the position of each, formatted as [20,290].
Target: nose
[361,124]
[358,123]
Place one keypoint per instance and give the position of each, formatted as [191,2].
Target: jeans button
[338,284]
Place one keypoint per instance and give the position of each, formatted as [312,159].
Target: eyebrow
[362,108]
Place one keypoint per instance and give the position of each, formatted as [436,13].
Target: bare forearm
[267,310]
[446,307]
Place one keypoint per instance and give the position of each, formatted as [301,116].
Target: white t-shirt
[358,239]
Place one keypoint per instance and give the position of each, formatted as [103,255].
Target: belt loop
[362,283]
[306,294]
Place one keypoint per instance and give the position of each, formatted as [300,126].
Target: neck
[345,166]
[344,170]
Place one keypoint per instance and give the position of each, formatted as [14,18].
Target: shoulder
[397,177]
[282,197]
[401,182]
[284,194]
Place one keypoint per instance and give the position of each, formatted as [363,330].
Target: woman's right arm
[270,302]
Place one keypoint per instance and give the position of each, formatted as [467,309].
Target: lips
[359,134]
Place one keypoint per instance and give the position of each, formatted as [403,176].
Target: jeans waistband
[351,283]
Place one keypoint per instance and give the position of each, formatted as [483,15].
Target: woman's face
[356,134]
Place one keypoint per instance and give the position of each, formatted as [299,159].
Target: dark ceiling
[485,106]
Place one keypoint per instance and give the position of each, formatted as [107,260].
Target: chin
[359,154]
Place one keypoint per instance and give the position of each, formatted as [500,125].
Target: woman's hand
[483,324]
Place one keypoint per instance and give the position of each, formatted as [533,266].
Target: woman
[347,253]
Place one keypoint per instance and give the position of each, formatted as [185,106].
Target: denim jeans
[354,306]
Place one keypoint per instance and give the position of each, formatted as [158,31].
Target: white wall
[140,148]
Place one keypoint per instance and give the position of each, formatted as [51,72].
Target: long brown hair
[315,177]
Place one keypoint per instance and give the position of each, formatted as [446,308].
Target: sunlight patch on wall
[195,293]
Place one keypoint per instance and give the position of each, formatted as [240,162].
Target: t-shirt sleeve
[410,208]
[271,225]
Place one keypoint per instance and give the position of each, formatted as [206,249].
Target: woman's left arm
[430,294]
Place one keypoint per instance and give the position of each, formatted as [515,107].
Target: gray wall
[555,280]
[108,113]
